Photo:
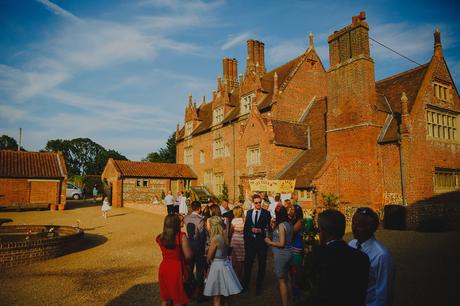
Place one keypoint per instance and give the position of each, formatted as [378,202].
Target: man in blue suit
[255,227]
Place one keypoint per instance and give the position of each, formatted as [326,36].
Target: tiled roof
[408,81]
[153,170]
[290,134]
[304,168]
[31,164]
[389,92]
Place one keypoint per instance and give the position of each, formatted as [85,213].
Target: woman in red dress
[175,250]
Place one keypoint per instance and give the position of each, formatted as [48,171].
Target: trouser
[197,262]
[170,209]
[176,209]
[251,251]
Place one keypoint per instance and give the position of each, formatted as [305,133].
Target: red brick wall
[309,81]
[24,192]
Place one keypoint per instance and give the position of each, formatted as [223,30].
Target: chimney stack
[256,56]
[350,42]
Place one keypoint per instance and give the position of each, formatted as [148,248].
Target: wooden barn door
[44,192]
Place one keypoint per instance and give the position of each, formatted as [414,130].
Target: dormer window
[246,103]
[218,115]
[441,91]
[188,128]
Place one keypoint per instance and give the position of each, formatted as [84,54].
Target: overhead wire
[402,55]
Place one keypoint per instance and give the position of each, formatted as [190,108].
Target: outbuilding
[134,182]
[32,179]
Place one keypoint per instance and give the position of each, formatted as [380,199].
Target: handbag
[188,282]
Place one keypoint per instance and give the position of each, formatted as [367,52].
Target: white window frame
[218,183]
[207,178]
[441,125]
[218,115]
[445,180]
[202,157]
[218,148]
[441,91]
[304,195]
[188,128]
[253,156]
[246,103]
[188,155]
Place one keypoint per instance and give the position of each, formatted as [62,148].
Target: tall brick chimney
[351,80]
[256,57]
[230,73]
[352,119]
[437,42]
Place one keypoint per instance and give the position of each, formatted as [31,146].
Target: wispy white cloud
[11,113]
[235,40]
[56,9]
[285,51]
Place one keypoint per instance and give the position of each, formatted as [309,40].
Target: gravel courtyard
[119,262]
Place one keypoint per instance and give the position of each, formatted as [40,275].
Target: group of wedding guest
[220,245]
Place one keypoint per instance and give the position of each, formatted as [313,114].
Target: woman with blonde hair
[175,250]
[237,240]
[222,280]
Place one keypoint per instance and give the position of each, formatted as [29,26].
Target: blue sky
[119,72]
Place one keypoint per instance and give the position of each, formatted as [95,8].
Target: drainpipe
[234,156]
[401,161]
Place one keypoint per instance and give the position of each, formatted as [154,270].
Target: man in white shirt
[364,225]
[169,201]
[224,207]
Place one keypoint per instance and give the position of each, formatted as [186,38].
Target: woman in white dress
[222,280]
[183,208]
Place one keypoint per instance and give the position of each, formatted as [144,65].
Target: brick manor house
[336,130]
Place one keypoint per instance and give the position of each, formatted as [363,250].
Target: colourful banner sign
[276,186]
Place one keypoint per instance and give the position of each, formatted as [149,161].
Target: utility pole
[20,139]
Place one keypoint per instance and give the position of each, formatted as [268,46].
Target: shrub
[330,199]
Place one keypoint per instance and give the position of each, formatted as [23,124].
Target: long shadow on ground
[141,294]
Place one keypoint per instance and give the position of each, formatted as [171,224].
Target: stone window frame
[218,181]
[246,103]
[202,157]
[253,158]
[188,155]
[218,115]
[441,124]
[207,178]
[445,180]
[218,148]
[441,91]
[188,128]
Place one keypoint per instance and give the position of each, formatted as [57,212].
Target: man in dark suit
[255,226]
[342,271]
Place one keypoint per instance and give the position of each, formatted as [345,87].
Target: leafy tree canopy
[8,143]
[82,155]
[164,155]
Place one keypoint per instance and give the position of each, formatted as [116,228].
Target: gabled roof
[18,164]
[389,92]
[407,81]
[290,134]
[303,168]
[153,170]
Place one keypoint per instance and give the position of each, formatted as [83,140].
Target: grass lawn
[119,264]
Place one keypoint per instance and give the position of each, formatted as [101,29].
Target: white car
[73,192]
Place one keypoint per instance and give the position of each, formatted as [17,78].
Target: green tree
[224,195]
[8,143]
[82,155]
[164,155]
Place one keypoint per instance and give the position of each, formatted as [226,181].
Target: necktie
[359,246]
[256,218]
